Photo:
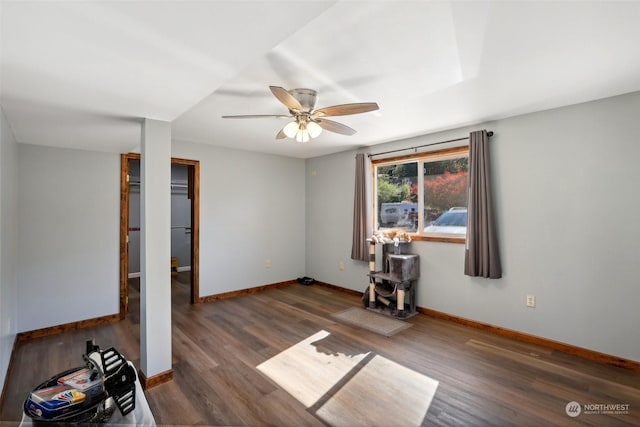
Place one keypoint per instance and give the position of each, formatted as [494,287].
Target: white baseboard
[134,275]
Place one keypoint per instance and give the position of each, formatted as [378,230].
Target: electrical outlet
[531,301]
[267,264]
[341,265]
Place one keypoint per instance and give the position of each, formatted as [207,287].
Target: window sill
[438,239]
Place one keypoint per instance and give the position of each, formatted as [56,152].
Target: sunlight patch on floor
[350,388]
[382,393]
[306,373]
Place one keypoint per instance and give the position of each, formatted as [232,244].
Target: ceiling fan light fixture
[314,129]
[291,129]
[303,134]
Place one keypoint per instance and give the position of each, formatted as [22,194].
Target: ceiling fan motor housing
[306,97]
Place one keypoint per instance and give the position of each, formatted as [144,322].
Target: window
[425,194]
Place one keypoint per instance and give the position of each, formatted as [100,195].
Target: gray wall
[567,203]
[68,251]
[8,244]
[251,210]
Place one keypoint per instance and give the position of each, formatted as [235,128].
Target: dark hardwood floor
[484,379]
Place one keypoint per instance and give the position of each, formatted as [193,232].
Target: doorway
[187,187]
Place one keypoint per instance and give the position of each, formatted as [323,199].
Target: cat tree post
[372,269]
[400,298]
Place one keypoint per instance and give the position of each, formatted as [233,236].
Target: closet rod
[489,133]
[173,227]
[173,184]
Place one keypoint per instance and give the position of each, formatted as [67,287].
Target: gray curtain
[481,258]
[361,209]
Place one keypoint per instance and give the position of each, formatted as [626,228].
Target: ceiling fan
[308,123]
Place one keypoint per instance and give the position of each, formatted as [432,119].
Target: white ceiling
[83,74]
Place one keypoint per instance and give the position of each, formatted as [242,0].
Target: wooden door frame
[194,190]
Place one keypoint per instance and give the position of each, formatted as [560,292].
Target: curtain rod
[489,133]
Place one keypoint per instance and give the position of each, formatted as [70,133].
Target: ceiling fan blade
[336,127]
[281,134]
[346,109]
[286,98]
[258,116]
